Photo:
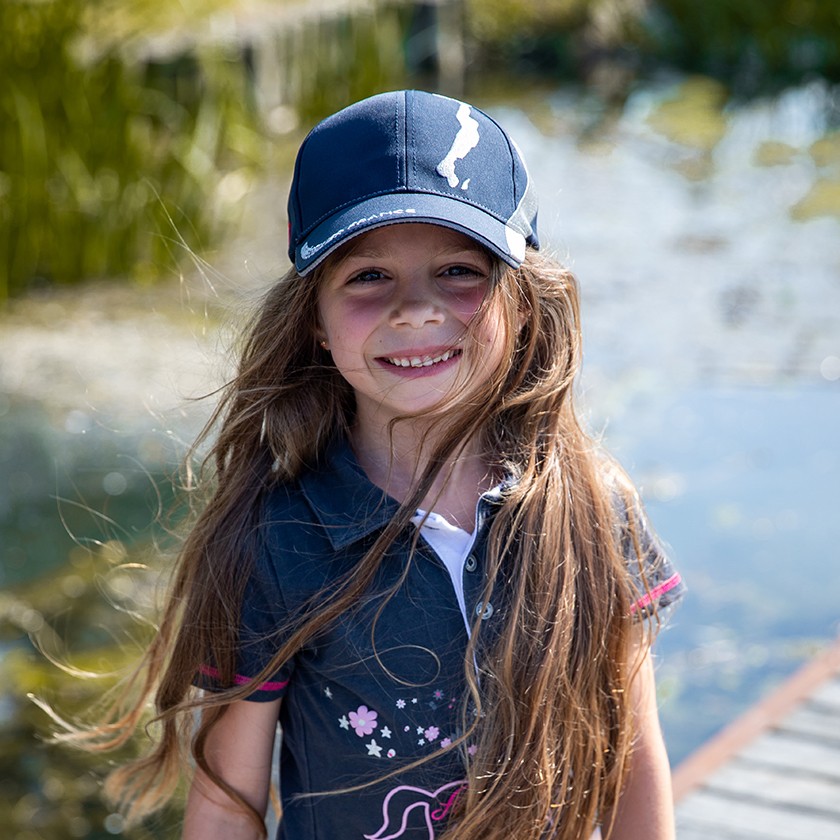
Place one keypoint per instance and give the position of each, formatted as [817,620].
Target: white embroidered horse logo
[465,141]
[402,800]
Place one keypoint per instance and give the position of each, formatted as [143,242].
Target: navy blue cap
[409,156]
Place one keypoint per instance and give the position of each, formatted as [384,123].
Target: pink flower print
[446,742]
[438,695]
[472,749]
[431,734]
[363,721]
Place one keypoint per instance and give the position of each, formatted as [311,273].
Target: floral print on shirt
[420,726]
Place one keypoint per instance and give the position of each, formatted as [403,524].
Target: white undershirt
[452,545]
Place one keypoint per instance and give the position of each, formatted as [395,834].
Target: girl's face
[394,315]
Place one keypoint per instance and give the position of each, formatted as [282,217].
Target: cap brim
[401,207]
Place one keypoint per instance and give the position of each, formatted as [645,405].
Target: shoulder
[311,529]
[286,514]
[655,581]
[291,541]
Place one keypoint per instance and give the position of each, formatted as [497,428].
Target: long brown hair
[548,710]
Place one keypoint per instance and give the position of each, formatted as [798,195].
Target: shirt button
[472,564]
[485,611]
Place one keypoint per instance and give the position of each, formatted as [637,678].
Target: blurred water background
[687,158]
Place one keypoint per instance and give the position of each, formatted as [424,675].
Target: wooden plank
[814,721]
[775,773]
[818,677]
[778,749]
[829,695]
[777,786]
[720,816]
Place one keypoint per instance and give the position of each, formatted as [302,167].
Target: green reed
[753,46]
[106,166]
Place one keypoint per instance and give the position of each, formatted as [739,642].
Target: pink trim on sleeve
[239,679]
[657,592]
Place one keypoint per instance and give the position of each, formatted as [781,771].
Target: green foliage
[499,21]
[76,565]
[108,166]
[334,62]
[749,42]
[752,45]
[51,789]
[537,37]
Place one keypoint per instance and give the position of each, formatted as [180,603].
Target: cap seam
[409,161]
[397,132]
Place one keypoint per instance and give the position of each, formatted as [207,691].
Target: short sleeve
[263,617]
[655,582]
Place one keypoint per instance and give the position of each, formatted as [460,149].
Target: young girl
[414,558]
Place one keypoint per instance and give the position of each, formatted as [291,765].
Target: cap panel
[524,216]
[351,155]
[457,150]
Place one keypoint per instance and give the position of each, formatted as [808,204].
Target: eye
[462,271]
[369,275]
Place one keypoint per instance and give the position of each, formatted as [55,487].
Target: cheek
[489,326]
[349,321]
[467,304]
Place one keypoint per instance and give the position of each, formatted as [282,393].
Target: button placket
[484,610]
[474,582]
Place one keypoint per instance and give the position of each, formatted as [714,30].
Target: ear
[321,338]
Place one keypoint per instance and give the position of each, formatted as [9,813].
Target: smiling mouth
[421,361]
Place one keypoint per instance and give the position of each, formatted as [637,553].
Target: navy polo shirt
[358,703]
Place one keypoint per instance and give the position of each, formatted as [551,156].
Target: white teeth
[426,361]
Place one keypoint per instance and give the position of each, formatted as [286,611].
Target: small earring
[323,344]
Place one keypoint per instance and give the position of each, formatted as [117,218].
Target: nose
[415,307]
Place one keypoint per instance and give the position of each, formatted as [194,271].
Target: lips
[421,361]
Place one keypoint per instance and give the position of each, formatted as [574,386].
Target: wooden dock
[774,774]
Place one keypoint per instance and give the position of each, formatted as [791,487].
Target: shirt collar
[350,506]
[343,499]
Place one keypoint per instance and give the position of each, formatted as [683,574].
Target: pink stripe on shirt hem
[239,679]
[657,592]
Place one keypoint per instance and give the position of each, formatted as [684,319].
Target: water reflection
[728,283]
[750,512]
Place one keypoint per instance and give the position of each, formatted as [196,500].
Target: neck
[395,459]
